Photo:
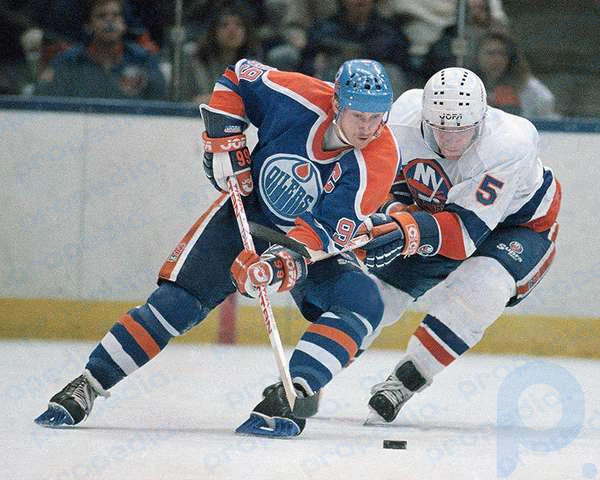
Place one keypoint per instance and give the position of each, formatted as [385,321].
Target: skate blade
[374,420]
[55,416]
[261,426]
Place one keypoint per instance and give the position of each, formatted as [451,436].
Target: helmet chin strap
[339,132]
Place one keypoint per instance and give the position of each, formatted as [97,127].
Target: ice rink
[174,419]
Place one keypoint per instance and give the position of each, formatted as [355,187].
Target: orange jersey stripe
[451,236]
[381,158]
[230,75]
[140,335]
[553,234]
[169,265]
[339,337]
[439,353]
[228,102]
[303,233]
[312,89]
[523,289]
[544,223]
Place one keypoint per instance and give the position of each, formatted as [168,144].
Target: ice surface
[174,419]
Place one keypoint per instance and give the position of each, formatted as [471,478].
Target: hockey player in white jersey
[472,211]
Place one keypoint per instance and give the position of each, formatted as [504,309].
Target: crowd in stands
[125,49]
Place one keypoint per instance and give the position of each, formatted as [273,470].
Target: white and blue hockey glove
[278,268]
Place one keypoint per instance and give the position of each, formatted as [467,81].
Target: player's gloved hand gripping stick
[273,236]
[265,304]
[227,165]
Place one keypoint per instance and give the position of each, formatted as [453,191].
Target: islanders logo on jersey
[290,185]
[428,183]
[514,250]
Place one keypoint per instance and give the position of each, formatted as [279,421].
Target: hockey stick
[265,304]
[273,236]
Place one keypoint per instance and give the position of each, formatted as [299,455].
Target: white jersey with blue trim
[499,180]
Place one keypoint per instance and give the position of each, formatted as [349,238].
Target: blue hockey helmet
[364,86]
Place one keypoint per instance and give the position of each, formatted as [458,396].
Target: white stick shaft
[356,242]
[265,304]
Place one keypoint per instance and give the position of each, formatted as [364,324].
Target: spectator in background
[300,12]
[228,38]
[147,20]
[199,14]
[18,62]
[109,67]
[286,29]
[431,27]
[510,84]
[60,23]
[62,20]
[19,76]
[356,31]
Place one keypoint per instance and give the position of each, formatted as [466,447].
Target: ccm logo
[451,116]
[260,273]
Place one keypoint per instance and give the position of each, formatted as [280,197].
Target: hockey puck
[395,444]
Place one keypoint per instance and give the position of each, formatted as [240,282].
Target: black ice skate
[272,417]
[73,403]
[387,398]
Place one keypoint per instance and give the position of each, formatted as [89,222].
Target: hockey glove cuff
[392,235]
[226,157]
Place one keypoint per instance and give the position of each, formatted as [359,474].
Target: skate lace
[80,391]
[395,387]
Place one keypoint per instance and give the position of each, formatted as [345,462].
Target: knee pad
[175,308]
[472,297]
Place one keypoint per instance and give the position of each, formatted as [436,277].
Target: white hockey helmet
[453,97]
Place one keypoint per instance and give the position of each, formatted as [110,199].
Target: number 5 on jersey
[487,192]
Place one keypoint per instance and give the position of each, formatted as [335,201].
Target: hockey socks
[143,332]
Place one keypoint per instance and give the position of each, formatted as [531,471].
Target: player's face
[360,128]
[453,141]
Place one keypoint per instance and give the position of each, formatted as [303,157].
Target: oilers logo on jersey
[428,184]
[289,185]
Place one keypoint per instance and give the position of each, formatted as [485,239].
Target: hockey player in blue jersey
[324,162]
[473,210]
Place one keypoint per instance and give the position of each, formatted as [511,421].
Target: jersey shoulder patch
[250,70]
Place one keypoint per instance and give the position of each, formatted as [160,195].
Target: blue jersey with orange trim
[498,181]
[320,197]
